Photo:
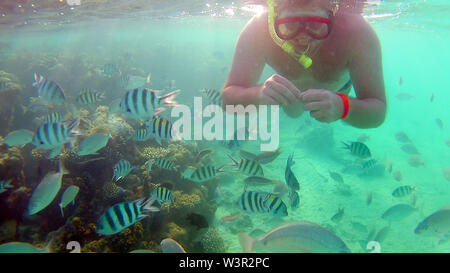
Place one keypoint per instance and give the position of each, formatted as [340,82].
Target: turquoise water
[195,51]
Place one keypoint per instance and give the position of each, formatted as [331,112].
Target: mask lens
[317,30]
[288,30]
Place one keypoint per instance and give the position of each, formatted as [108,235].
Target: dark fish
[197,220]
[230,218]
[439,123]
[402,137]
[382,234]
[267,157]
[259,180]
[398,212]
[358,149]
[410,149]
[432,97]
[403,191]
[369,198]
[336,177]
[388,165]
[338,216]
[448,142]
[289,176]
[400,81]
[294,199]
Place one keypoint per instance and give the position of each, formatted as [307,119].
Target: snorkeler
[320,50]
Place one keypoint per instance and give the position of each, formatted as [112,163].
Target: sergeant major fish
[5,185]
[48,90]
[145,103]
[162,194]
[121,169]
[123,215]
[54,135]
[358,149]
[262,202]
[248,167]
[89,96]
[202,174]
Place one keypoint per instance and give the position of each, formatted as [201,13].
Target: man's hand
[279,90]
[324,105]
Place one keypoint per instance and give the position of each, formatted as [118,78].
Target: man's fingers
[317,105]
[271,92]
[313,95]
[283,91]
[288,84]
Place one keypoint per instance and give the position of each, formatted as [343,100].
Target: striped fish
[162,194]
[53,135]
[248,167]
[110,69]
[121,169]
[164,164]
[145,103]
[160,128]
[369,164]
[89,96]
[294,199]
[262,202]
[131,82]
[53,117]
[403,191]
[358,149]
[123,215]
[202,174]
[214,96]
[48,90]
[142,134]
[289,176]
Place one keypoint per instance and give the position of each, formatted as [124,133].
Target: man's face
[292,8]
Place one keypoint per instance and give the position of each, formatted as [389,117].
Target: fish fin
[158,111]
[148,80]
[62,169]
[167,99]
[37,78]
[235,163]
[62,211]
[247,242]
[146,204]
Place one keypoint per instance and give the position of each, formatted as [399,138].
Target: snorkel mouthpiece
[287,46]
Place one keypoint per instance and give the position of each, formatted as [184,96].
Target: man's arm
[368,110]
[248,64]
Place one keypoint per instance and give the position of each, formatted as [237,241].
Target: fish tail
[62,169]
[146,204]
[62,211]
[148,80]
[346,145]
[158,111]
[220,169]
[235,163]
[247,242]
[168,98]
[37,79]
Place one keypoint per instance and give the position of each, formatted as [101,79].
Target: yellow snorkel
[287,46]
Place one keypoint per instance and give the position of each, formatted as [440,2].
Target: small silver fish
[68,197]
[93,143]
[19,138]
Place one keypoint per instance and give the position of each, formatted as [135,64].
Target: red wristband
[345,101]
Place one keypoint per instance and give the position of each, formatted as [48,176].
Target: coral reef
[211,242]
[8,101]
